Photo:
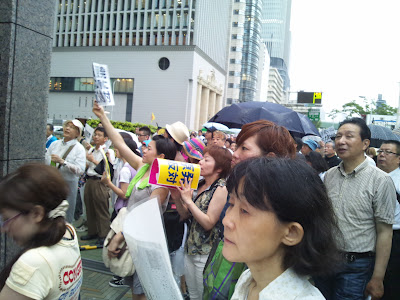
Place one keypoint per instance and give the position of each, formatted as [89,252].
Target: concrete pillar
[205,94]
[211,107]
[198,106]
[26,30]
[218,103]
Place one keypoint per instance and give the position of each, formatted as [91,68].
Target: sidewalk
[96,276]
[95,286]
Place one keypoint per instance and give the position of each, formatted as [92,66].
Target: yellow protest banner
[167,172]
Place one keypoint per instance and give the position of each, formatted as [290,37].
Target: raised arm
[134,160]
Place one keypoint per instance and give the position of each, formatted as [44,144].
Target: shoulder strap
[66,153]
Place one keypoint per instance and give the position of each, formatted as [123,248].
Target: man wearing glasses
[143,135]
[363,199]
[388,161]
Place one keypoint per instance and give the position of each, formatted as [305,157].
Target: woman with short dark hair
[281,224]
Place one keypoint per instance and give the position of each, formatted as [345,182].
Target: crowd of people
[274,216]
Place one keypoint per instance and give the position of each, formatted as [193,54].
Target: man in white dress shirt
[388,161]
[69,156]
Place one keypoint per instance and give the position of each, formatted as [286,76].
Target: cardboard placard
[167,172]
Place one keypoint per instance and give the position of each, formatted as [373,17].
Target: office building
[167,57]
[275,33]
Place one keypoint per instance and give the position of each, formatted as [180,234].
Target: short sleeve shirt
[360,199]
[53,272]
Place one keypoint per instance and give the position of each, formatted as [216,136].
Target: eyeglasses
[387,152]
[5,222]
[142,134]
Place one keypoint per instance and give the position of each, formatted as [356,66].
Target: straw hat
[194,148]
[178,131]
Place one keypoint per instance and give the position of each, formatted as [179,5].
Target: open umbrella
[380,134]
[236,115]
[212,126]
[396,131]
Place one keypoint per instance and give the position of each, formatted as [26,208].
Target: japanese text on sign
[103,92]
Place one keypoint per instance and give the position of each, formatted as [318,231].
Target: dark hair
[318,163]
[51,127]
[298,142]
[222,157]
[101,129]
[229,141]
[293,191]
[394,142]
[365,132]
[132,145]
[165,146]
[146,130]
[28,186]
[270,138]
[177,145]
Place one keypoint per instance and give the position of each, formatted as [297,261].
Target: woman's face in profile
[251,235]
[247,149]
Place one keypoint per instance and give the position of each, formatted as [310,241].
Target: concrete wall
[26,29]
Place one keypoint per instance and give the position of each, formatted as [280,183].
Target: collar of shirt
[357,170]
[49,137]
[279,287]
[69,143]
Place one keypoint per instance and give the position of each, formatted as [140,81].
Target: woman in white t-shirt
[33,210]
[281,223]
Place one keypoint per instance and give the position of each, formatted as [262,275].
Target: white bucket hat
[178,131]
[76,123]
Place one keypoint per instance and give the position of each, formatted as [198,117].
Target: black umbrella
[236,115]
[380,134]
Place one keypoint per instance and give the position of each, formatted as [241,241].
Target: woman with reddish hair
[204,209]
[256,139]
[263,138]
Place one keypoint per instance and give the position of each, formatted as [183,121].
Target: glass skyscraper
[275,33]
[251,51]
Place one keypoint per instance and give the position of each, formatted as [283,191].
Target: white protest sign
[144,233]
[103,92]
[327,134]
[88,133]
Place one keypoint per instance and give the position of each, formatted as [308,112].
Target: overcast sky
[346,49]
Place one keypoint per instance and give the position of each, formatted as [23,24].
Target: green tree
[353,109]
[385,109]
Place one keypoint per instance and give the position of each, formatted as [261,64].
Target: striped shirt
[360,198]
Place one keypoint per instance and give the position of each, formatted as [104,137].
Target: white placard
[103,91]
[327,134]
[88,133]
[144,233]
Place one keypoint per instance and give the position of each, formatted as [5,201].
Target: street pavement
[96,276]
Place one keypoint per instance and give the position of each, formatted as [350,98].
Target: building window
[235,61]
[86,84]
[163,63]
